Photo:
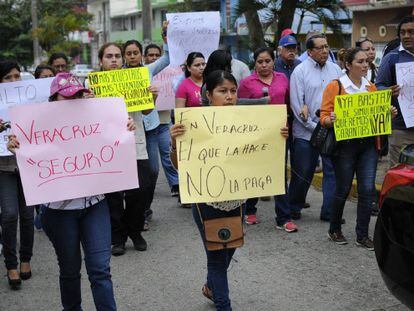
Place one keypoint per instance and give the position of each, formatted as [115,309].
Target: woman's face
[133,56]
[224,94]
[12,76]
[60,65]
[264,64]
[78,95]
[359,66]
[111,59]
[197,67]
[46,73]
[369,48]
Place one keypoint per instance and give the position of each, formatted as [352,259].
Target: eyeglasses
[320,48]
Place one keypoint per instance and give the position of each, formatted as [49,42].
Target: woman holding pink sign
[13,204]
[81,221]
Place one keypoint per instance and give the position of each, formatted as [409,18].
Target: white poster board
[192,32]
[20,93]
[405,79]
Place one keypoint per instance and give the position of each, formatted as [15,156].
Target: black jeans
[354,156]
[128,221]
[13,205]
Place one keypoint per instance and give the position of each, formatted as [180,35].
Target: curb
[353,193]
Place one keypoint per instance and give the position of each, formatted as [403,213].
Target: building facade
[377,19]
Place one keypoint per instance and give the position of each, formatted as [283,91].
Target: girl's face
[264,64]
[12,76]
[111,59]
[197,68]
[46,73]
[359,66]
[133,56]
[369,48]
[224,94]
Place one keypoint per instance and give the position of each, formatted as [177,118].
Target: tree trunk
[36,46]
[255,30]
[302,15]
[146,21]
[287,12]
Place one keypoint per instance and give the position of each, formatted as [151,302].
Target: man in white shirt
[307,84]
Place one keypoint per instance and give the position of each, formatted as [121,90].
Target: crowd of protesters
[305,85]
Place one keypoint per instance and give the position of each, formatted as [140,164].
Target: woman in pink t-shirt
[189,92]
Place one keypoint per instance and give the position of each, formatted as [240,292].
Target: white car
[81,70]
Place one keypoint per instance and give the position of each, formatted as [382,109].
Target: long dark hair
[42,67]
[218,60]
[216,78]
[190,60]
[6,66]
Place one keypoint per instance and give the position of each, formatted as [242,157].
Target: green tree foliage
[15,31]
[57,18]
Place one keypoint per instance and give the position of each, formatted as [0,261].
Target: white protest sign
[192,32]
[20,93]
[405,79]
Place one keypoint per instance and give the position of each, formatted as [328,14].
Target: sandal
[207,292]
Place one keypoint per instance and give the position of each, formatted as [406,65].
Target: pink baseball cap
[66,84]
[286,32]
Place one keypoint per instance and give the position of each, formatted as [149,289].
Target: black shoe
[374,209]
[337,237]
[365,243]
[295,215]
[118,249]
[25,275]
[175,191]
[140,244]
[328,220]
[306,205]
[14,283]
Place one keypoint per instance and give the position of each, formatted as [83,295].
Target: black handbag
[323,138]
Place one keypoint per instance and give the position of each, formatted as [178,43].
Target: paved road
[273,271]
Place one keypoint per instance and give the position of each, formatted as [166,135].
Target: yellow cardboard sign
[231,153]
[131,84]
[362,115]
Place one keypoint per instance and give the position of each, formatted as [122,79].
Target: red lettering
[76,129]
[54,166]
[89,157]
[46,167]
[67,164]
[46,134]
[110,154]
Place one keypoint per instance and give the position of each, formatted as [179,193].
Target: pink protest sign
[164,82]
[74,148]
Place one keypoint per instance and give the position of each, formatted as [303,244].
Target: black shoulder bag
[323,138]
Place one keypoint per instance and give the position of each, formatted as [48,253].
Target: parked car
[394,230]
[81,70]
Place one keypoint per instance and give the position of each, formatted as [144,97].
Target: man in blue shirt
[287,60]
[401,135]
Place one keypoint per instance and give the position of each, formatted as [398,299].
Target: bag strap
[201,216]
[340,86]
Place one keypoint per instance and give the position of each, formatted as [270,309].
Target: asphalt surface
[273,271]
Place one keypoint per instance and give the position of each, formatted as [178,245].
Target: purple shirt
[252,87]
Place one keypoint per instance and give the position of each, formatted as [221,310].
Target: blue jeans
[354,156]
[13,207]
[91,228]
[217,261]
[158,141]
[304,164]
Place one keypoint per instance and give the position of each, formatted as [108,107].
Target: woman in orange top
[358,155]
